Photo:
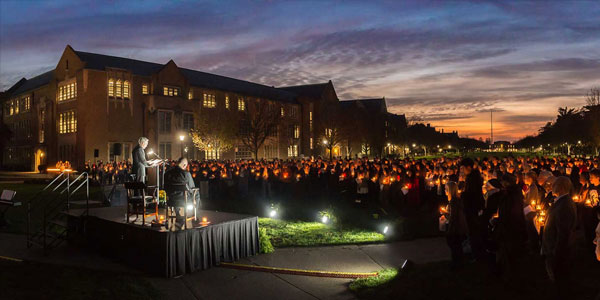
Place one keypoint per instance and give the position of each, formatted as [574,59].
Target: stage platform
[156,250]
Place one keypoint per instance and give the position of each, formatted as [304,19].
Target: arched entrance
[40,159]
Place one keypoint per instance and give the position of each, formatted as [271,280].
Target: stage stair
[47,211]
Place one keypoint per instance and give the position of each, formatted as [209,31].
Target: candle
[204,220]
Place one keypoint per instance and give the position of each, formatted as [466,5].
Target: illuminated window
[42,126]
[111,88]
[242,152]
[311,143]
[241,105]
[67,92]
[145,89]
[212,154]
[170,91]
[12,107]
[310,121]
[67,122]
[119,89]
[190,95]
[296,131]
[293,150]
[209,101]
[126,89]
[16,106]
[227,101]
[282,111]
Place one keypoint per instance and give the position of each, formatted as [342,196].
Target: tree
[214,131]
[593,97]
[592,117]
[260,121]
[332,124]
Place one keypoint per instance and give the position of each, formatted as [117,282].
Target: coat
[559,231]
[178,176]
[139,163]
[473,195]
[457,221]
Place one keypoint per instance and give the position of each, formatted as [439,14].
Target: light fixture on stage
[150,152]
[386,229]
[324,219]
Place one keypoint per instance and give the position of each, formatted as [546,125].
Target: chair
[184,189]
[138,200]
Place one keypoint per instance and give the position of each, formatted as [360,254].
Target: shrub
[264,241]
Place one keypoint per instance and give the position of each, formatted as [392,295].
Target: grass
[299,233]
[361,285]
[28,280]
[475,281]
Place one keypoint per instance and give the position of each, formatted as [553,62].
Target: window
[164,150]
[119,89]
[17,106]
[126,89]
[170,91]
[164,122]
[273,131]
[242,152]
[296,131]
[190,95]
[188,121]
[270,151]
[42,126]
[282,112]
[294,112]
[310,121]
[212,154]
[67,122]
[26,102]
[145,89]
[67,91]
[311,143]
[293,150]
[241,104]
[111,87]
[227,101]
[209,101]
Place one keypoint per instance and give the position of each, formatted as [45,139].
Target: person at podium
[139,160]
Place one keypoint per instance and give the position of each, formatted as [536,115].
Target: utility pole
[491,129]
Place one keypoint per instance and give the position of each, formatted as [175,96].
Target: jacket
[559,231]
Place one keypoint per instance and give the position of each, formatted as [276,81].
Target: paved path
[223,283]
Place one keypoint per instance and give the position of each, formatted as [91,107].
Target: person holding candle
[457,224]
[559,236]
[472,196]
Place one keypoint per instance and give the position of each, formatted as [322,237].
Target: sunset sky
[447,63]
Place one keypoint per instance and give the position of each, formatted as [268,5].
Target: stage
[227,238]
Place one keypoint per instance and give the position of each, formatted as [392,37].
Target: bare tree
[260,121]
[333,126]
[593,97]
[214,131]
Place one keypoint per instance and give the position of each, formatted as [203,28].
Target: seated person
[178,175]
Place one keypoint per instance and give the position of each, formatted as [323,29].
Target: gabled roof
[207,80]
[372,105]
[34,83]
[314,91]
[195,78]
[101,62]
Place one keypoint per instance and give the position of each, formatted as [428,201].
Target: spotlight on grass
[272,213]
[386,229]
[324,219]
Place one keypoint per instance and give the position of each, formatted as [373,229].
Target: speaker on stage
[117,149]
[96,153]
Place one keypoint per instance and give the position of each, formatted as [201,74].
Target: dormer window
[145,89]
[209,101]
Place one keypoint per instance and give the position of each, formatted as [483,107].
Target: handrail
[61,183]
[57,177]
[73,182]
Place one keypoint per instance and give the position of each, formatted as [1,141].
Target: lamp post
[181,138]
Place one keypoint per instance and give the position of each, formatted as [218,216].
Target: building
[95,107]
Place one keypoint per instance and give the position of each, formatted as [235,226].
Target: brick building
[95,107]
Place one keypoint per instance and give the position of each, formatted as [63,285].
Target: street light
[324,142]
[181,138]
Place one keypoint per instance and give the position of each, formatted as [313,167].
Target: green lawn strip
[384,276]
[475,281]
[29,280]
[298,233]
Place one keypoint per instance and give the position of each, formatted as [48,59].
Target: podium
[158,174]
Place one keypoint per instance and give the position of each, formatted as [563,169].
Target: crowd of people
[506,206]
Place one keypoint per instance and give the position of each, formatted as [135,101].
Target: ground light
[324,219]
[272,213]
[386,229]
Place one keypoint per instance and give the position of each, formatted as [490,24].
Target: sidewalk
[223,283]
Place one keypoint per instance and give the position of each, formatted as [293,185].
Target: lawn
[299,233]
[475,281]
[28,280]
